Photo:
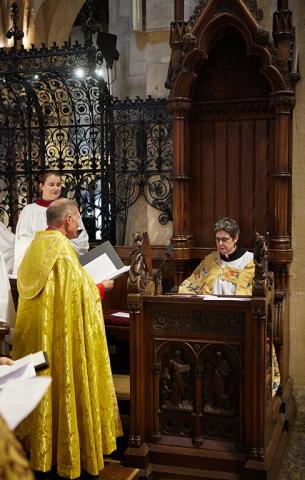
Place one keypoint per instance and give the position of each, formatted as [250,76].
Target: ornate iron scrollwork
[143,156]
[108,152]
[14,30]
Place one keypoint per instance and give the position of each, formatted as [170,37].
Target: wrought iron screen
[108,152]
[142,132]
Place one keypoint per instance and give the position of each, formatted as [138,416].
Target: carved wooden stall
[201,383]
[232,97]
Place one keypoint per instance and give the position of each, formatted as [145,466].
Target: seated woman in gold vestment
[227,271]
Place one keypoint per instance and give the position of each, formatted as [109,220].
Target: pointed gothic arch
[67,9]
[212,32]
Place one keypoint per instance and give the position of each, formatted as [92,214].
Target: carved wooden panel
[197,321]
[199,389]
[176,389]
[177,380]
[230,172]
[231,143]
[220,392]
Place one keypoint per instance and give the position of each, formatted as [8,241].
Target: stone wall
[144,55]
[297,284]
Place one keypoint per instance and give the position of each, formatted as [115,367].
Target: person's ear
[236,238]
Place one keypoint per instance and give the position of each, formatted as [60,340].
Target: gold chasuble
[60,312]
[234,278]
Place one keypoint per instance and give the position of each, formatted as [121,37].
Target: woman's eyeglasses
[222,239]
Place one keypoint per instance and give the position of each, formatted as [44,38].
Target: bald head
[63,215]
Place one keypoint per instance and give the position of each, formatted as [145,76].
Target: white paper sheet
[120,314]
[19,398]
[102,268]
[37,358]
[10,373]
[207,297]
[22,368]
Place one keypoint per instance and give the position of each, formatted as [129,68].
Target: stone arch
[62,20]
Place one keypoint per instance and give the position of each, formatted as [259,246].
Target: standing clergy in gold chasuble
[60,312]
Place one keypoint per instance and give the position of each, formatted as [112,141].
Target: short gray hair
[228,225]
[58,211]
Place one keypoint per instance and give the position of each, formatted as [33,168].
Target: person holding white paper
[59,312]
[33,218]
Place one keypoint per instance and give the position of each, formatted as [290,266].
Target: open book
[103,263]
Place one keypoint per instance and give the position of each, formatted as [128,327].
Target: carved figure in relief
[260,257]
[219,391]
[138,261]
[174,383]
[140,279]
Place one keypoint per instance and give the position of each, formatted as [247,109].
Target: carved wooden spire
[179,10]
[282,4]
[283,28]
[284,40]
[178,29]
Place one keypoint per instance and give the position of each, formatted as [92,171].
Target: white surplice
[7,310]
[33,218]
[223,287]
[7,246]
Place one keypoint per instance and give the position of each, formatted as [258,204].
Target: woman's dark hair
[48,173]
[228,225]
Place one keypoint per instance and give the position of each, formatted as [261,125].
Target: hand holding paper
[102,268]
[20,389]
[103,263]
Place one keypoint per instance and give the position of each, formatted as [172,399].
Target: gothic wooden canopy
[232,88]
